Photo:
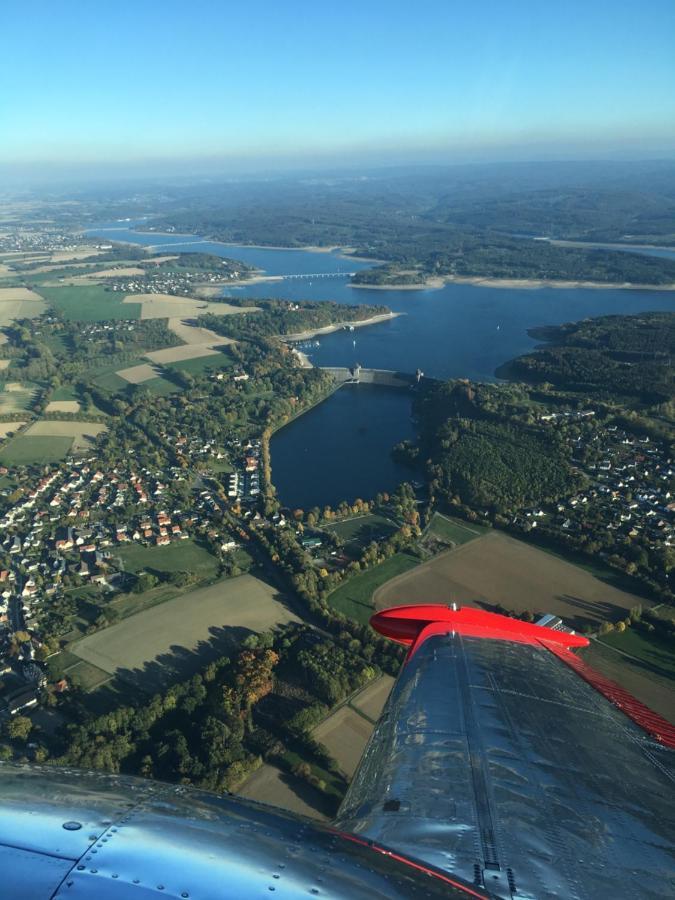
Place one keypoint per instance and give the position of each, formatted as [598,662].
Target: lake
[458,331]
[341,449]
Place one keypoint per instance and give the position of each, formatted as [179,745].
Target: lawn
[656,654]
[26,450]
[361,530]
[354,598]
[90,303]
[453,531]
[180,556]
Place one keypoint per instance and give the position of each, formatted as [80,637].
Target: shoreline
[603,245]
[434,284]
[309,248]
[338,326]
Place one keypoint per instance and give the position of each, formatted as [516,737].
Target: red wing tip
[411,625]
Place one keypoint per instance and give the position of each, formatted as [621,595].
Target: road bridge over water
[307,276]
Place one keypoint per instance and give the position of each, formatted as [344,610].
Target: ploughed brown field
[497,569]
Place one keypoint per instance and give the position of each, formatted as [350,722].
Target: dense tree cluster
[214,728]
[462,222]
[281,317]
[614,355]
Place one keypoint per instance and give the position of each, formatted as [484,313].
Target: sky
[294,81]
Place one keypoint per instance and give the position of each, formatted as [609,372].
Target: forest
[611,356]
[457,220]
[213,729]
[281,317]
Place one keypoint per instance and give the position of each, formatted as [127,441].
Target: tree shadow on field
[597,611]
[313,797]
[571,610]
[131,685]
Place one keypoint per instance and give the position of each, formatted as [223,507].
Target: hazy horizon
[216,90]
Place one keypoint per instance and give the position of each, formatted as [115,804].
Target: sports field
[454,532]
[497,569]
[176,637]
[361,530]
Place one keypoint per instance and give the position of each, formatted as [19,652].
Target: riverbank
[339,326]
[435,283]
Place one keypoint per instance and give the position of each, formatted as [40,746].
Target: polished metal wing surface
[495,761]
[80,835]
[500,768]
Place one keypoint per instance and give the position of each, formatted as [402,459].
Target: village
[630,492]
[65,530]
[173,281]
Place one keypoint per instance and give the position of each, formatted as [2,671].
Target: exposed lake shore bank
[338,326]
[511,283]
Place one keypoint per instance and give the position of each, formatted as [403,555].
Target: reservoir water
[457,331]
[341,449]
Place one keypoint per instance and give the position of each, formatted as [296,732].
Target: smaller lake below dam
[341,449]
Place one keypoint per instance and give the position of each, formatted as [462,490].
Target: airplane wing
[502,758]
[501,767]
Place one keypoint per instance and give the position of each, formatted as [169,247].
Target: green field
[202,364]
[66,392]
[89,303]
[87,676]
[160,387]
[24,449]
[361,530]
[354,598]
[656,654]
[453,531]
[179,556]
[109,381]
[220,465]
